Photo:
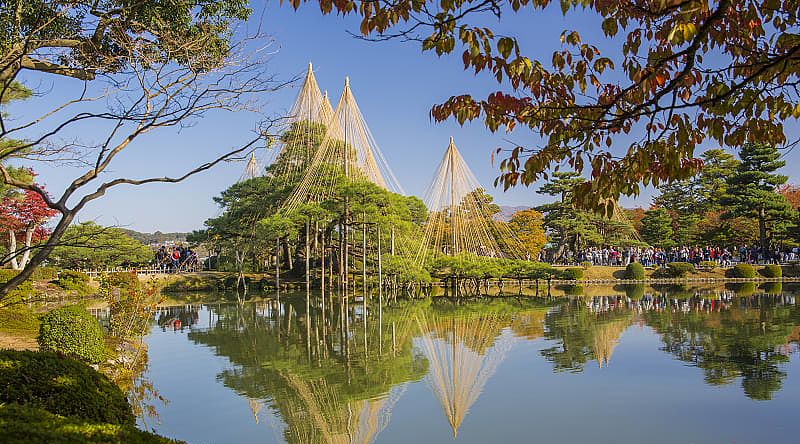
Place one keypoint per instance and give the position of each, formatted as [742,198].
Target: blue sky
[394,83]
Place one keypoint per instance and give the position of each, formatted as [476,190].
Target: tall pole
[347,175]
[380,294]
[452,196]
[278,268]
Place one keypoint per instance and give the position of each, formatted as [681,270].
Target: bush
[572,274]
[24,290]
[680,269]
[745,271]
[71,280]
[635,271]
[772,271]
[25,425]
[124,280]
[71,331]
[710,265]
[62,386]
[45,274]
[586,265]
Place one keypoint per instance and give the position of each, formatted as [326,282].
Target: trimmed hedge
[62,386]
[745,271]
[25,425]
[71,331]
[572,274]
[708,264]
[634,270]
[772,271]
[680,269]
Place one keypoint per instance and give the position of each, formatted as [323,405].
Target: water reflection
[335,373]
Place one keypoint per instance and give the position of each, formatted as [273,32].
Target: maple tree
[23,214]
[682,72]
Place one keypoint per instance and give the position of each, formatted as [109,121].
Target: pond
[709,366]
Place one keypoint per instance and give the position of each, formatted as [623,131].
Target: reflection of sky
[644,395]
[394,84]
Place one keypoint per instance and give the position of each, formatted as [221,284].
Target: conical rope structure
[461,218]
[304,127]
[348,150]
[463,353]
[251,170]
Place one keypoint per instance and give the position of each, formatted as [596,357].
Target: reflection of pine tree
[341,392]
[583,336]
[732,344]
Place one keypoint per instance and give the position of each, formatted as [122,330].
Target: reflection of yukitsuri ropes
[460,219]
[606,338]
[463,352]
[323,417]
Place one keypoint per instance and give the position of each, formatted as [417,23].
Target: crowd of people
[176,259]
[653,256]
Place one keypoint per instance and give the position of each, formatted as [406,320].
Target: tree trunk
[762,230]
[12,249]
[28,241]
[39,256]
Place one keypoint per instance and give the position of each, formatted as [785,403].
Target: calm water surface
[633,367]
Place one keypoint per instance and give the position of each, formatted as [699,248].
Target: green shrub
[62,386]
[772,287]
[73,332]
[680,269]
[635,271]
[122,279]
[634,291]
[745,271]
[710,265]
[586,265]
[71,280]
[572,273]
[24,425]
[24,290]
[45,274]
[772,271]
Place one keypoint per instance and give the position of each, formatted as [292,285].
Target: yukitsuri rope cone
[461,218]
[251,170]
[304,128]
[347,150]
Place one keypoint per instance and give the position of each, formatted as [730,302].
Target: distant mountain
[157,237]
[506,211]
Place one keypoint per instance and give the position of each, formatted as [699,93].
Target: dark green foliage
[62,386]
[680,269]
[572,273]
[71,280]
[25,425]
[634,270]
[772,271]
[123,280]
[743,271]
[89,245]
[657,227]
[71,331]
[752,192]
[634,291]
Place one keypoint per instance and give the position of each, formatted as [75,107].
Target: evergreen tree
[752,191]
[657,227]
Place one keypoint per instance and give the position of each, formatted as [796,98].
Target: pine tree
[657,227]
[753,191]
